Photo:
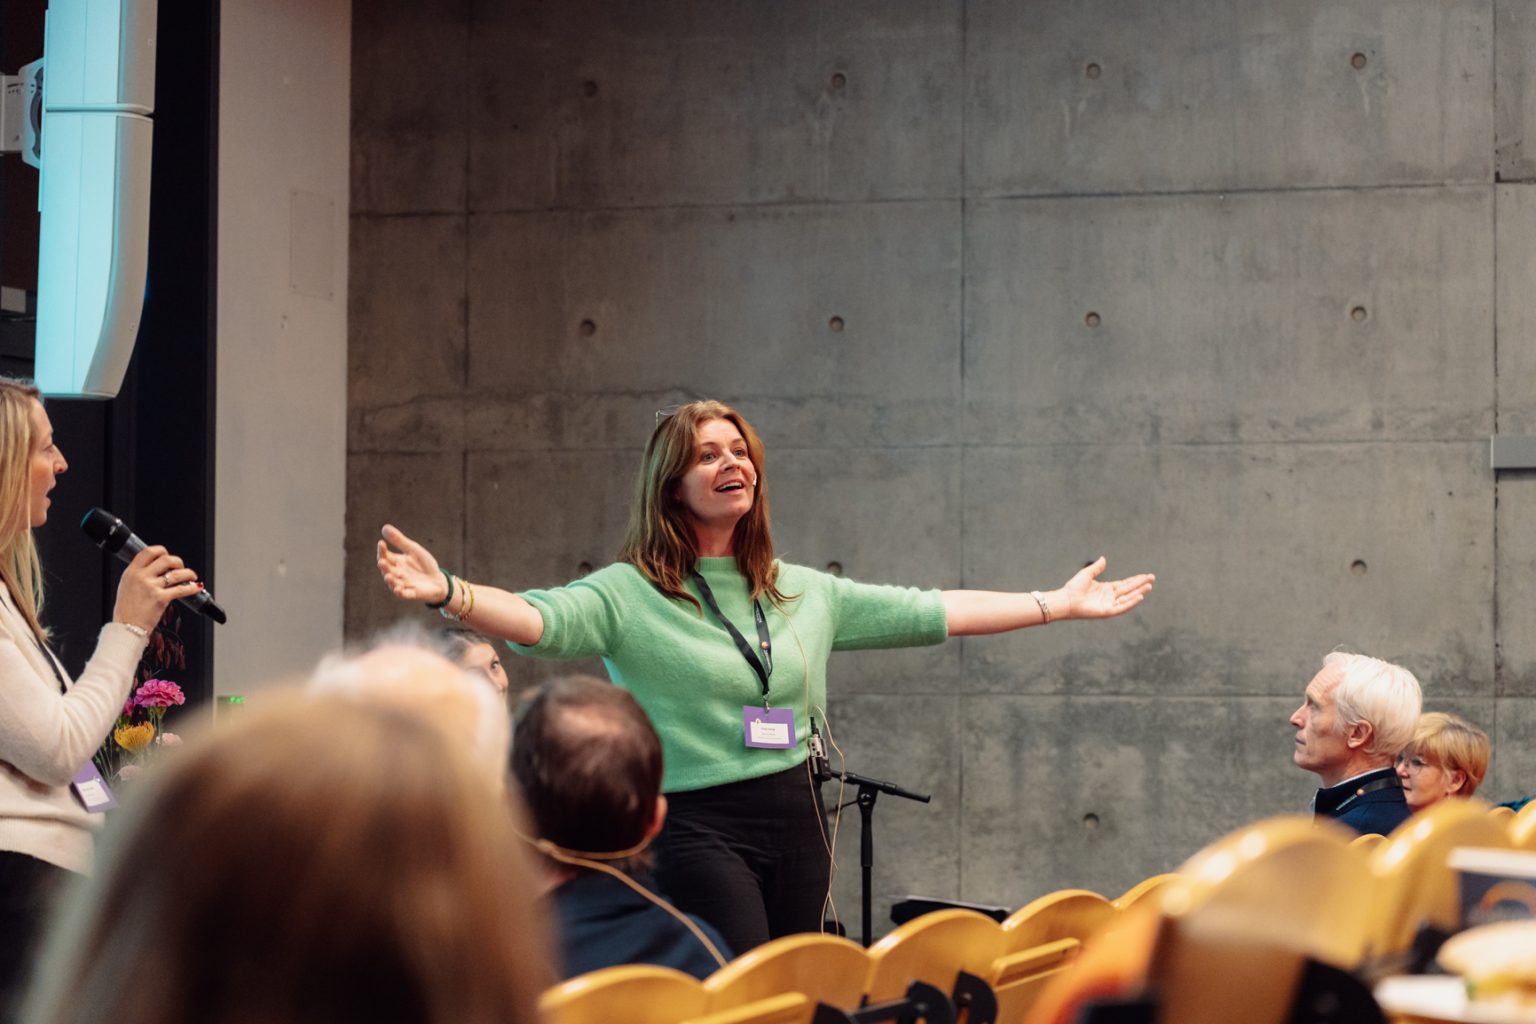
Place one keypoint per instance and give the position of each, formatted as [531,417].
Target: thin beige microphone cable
[585,859]
[828,904]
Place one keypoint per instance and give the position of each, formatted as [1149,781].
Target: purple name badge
[768,729]
[91,789]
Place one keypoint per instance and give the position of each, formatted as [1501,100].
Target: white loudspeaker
[93,195]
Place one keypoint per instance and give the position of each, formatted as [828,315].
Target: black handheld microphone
[112,535]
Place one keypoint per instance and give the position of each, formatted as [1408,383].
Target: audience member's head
[588,762]
[1448,756]
[476,652]
[321,860]
[405,669]
[1357,714]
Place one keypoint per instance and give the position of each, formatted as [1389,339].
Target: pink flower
[159,693]
[168,739]
[127,772]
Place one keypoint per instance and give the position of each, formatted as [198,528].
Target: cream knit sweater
[46,736]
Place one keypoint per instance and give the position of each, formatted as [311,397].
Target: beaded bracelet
[444,602]
[138,631]
[466,606]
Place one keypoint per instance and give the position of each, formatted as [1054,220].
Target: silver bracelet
[138,631]
[1045,609]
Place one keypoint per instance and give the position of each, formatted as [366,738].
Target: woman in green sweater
[726,648]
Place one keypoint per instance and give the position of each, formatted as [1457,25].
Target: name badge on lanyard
[763,728]
[768,728]
[91,789]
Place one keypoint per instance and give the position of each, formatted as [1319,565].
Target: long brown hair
[321,860]
[19,568]
[660,541]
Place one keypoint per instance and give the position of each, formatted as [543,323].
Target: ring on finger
[166,579]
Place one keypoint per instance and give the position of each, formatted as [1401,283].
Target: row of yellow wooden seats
[1212,928]
[1230,938]
[781,982]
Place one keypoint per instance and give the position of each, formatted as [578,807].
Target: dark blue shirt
[604,922]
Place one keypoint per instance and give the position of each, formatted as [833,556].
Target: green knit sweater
[685,670]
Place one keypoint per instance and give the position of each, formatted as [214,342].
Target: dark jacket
[1369,803]
[604,922]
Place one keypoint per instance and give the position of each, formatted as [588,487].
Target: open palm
[1092,598]
[409,570]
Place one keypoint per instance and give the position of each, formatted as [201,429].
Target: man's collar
[1331,800]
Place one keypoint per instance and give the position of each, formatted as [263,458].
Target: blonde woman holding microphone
[50,798]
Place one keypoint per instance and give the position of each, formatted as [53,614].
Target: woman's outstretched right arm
[412,574]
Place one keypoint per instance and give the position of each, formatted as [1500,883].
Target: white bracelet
[1045,609]
[138,631]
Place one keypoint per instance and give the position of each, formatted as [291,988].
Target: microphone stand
[869,790]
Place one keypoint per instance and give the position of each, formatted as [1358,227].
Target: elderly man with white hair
[1357,714]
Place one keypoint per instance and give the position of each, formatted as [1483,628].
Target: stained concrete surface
[1312,306]
[1195,96]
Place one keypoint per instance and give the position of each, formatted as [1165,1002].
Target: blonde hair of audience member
[1384,695]
[322,859]
[406,671]
[1448,756]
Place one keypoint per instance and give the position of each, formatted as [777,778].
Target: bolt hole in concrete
[1092,320]
[1093,71]
[1090,821]
[588,328]
[835,568]
[1357,61]
[839,80]
[1358,314]
[583,568]
[589,88]
[1358,567]
[835,325]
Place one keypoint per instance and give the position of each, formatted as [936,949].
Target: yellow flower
[134,738]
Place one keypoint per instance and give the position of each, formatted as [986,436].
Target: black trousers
[27,888]
[748,857]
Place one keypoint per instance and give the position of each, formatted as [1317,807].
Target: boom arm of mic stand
[890,788]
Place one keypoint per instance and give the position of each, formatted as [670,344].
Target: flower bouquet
[139,729]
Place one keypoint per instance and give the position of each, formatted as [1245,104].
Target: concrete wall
[282,336]
[1235,292]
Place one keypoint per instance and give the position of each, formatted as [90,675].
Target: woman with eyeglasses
[1447,757]
[726,648]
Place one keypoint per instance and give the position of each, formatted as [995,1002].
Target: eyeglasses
[666,411]
[1414,764]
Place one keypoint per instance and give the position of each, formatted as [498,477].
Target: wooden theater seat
[826,968]
[633,993]
[1413,883]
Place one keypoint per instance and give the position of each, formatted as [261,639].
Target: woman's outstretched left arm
[1084,596]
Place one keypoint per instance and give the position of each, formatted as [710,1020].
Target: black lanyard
[41,647]
[48,657]
[763,668]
